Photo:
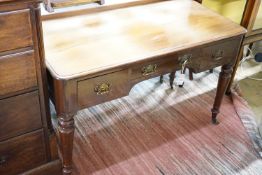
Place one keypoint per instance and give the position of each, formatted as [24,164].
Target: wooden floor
[160,131]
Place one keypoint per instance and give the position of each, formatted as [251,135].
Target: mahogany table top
[85,44]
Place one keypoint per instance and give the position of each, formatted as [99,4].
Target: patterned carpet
[158,131]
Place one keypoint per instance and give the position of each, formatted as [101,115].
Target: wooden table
[93,58]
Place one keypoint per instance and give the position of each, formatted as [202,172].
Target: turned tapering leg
[171,79]
[191,77]
[66,135]
[223,81]
[161,79]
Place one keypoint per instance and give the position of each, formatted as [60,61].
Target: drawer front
[155,68]
[17,72]
[22,153]
[15,30]
[215,55]
[103,88]
[19,115]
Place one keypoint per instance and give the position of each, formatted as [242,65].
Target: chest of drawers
[26,139]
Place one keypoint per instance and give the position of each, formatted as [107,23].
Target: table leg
[161,79]
[223,81]
[66,135]
[171,79]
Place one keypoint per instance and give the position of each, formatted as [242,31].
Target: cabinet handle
[103,88]
[149,69]
[3,160]
[218,55]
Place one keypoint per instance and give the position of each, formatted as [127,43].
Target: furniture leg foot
[191,77]
[67,171]
[214,117]
[228,92]
[223,81]
[171,80]
[66,135]
[161,79]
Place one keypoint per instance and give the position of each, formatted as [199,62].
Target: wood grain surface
[19,115]
[17,72]
[15,30]
[22,153]
[77,46]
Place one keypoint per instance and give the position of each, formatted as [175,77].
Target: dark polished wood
[223,81]
[66,136]
[24,112]
[22,153]
[26,134]
[18,72]
[15,30]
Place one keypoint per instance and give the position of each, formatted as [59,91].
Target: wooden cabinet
[26,135]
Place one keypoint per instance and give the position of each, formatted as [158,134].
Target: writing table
[93,58]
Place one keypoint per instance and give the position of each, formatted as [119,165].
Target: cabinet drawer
[19,115]
[103,88]
[17,72]
[165,65]
[214,55]
[22,153]
[15,30]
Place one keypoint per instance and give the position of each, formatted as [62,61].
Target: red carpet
[159,131]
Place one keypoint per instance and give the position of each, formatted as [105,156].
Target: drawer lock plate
[218,55]
[103,88]
[149,69]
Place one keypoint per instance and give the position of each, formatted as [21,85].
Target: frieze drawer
[214,55]
[103,88]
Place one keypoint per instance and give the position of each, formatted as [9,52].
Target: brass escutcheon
[103,88]
[149,69]
[218,55]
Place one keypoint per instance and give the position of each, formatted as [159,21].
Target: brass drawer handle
[103,88]
[218,55]
[149,69]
